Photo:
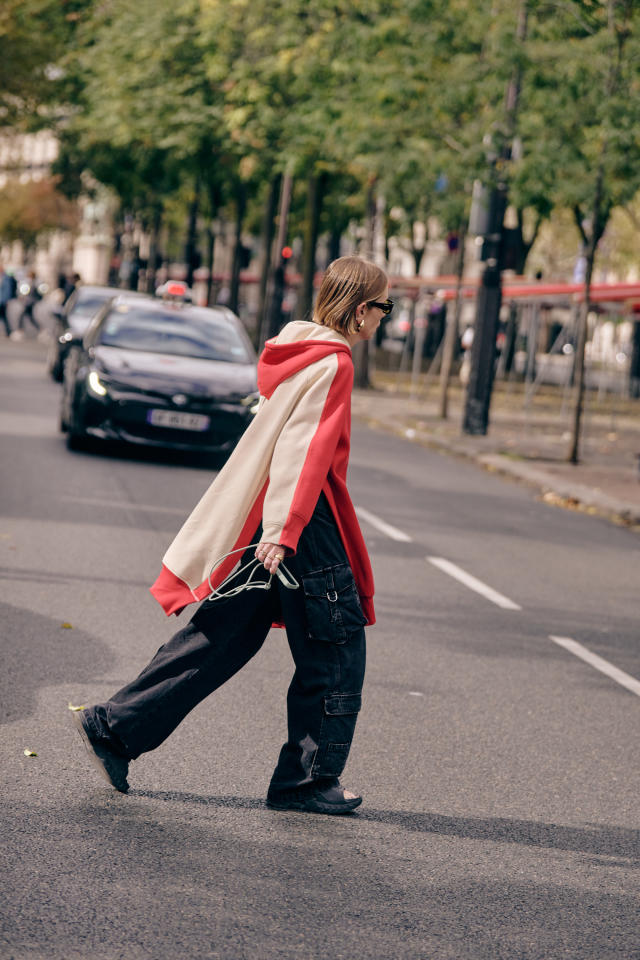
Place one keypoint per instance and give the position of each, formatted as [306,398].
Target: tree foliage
[34,35]
[401,95]
[30,209]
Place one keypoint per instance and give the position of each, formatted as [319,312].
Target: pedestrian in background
[71,283]
[8,287]
[31,296]
[284,489]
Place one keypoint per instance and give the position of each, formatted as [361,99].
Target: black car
[72,319]
[160,374]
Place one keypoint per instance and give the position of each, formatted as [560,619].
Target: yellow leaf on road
[72,706]
[67,626]
[30,753]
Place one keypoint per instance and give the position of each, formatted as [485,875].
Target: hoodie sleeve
[305,449]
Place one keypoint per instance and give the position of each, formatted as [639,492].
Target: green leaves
[152,95]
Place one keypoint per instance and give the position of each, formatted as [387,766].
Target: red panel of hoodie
[324,470]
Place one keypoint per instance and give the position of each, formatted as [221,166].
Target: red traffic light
[287,253]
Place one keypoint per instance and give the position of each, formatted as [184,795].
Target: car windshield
[90,303]
[198,334]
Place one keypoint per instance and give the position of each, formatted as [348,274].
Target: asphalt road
[499,770]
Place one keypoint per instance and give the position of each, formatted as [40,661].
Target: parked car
[160,374]
[72,319]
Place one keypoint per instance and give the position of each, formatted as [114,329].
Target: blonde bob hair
[348,282]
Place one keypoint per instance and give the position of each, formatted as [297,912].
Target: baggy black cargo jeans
[325,630]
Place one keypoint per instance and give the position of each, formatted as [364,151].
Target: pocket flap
[342,704]
[330,582]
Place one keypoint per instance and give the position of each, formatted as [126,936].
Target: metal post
[483,352]
[483,348]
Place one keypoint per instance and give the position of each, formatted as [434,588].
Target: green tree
[30,209]
[582,120]
[34,35]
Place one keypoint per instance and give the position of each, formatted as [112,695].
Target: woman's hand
[270,555]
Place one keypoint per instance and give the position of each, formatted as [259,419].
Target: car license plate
[179,421]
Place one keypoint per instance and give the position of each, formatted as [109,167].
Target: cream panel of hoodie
[273,449]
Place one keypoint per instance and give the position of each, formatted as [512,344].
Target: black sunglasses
[386,306]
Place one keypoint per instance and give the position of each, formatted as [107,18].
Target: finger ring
[278,556]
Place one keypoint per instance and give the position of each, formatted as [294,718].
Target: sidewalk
[528,443]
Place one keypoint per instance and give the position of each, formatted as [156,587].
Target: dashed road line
[473,583]
[392,532]
[478,586]
[624,679]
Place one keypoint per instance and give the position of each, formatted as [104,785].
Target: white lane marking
[123,505]
[392,532]
[624,679]
[473,583]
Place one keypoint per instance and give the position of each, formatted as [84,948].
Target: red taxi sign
[175,288]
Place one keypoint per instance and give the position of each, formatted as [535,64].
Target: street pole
[483,348]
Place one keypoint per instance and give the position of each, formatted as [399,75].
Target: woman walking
[284,489]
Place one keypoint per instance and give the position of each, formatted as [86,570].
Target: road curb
[565,493]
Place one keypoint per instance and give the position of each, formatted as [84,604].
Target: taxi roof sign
[176,288]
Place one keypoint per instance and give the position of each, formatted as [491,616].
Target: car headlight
[95,385]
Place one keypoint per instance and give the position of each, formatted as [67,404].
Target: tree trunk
[150,279]
[267,235]
[599,217]
[315,197]
[190,251]
[579,367]
[277,280]
[214,202]
[361,350]
[334,244]
[361,365]
[211,249]
[241,206]
[418,254]
[370,220]
[510,335]
[451,332]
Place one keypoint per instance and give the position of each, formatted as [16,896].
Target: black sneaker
[112,766]
[314,798]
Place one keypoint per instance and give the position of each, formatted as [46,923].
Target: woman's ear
[361,309]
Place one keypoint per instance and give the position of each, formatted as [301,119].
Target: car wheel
[76,438]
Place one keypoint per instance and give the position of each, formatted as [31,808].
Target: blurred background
[240,146]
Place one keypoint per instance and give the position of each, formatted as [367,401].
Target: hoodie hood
[298,345]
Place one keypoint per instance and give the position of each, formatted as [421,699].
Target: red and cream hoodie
[296,447]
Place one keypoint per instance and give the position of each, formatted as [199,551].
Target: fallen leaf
[30,753]
[67,626]
[72,706]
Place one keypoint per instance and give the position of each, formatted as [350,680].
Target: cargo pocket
[338,726]
[332,604]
